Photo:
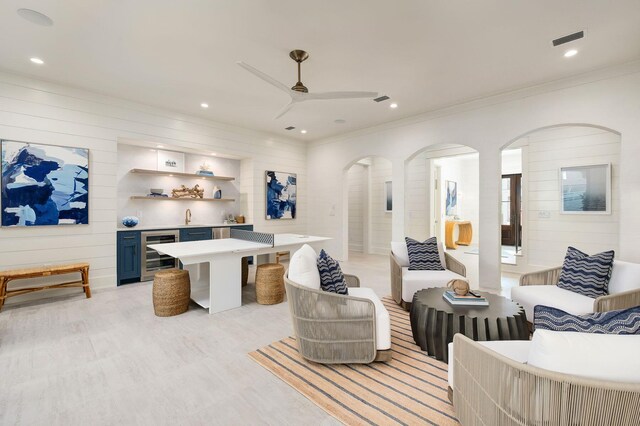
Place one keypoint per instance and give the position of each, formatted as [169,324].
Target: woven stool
[270,283]
[245,271]
[171,292]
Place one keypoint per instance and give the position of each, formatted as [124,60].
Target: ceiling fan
[299,92]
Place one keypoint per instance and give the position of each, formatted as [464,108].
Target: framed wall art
[585,189]
[281,192]
[44,185]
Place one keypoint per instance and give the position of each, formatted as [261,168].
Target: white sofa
[332,328]
[557,378]
[405,283]
[539,288]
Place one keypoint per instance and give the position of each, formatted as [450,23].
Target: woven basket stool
[245,271]
[171,292]
[270,283]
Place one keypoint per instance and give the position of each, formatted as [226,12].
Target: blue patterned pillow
[423,256]
[331,276]
[625,321]
[586,275]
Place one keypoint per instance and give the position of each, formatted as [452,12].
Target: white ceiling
[424,54]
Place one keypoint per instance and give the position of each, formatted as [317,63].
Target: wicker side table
[171,292]
[270,283]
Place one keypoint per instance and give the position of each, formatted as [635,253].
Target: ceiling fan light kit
[299,92]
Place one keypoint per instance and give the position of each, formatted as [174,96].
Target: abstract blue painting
[44,185]
[281,195]
[451,205]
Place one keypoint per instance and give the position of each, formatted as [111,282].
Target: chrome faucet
[187,217]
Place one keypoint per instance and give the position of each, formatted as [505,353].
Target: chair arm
[396,279]
[544,277]
[491,389]
[352,280]
[612,302]
[454,265]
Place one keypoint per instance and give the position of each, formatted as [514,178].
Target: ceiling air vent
[568,38]
[381,98]
[289,128]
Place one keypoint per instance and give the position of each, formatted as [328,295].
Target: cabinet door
[128,257]
[244,227]
[195,234]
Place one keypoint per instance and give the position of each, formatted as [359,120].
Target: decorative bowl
[130,221]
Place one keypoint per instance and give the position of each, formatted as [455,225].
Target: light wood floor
[109,360]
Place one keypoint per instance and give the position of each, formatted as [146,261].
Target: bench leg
[85,282]
[3,291]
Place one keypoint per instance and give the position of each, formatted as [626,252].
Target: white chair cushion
[399,250]
[303,269]
[550,295]
[383,321]
[625,276]
[413,281]
[597,356]
[517,350]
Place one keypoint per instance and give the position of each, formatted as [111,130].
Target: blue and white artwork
[281,195]
[586,189]
[44,185]
[451,206]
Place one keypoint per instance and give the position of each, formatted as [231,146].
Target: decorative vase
[130,221]
[217,193]
[459,287]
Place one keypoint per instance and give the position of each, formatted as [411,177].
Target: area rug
[409,389]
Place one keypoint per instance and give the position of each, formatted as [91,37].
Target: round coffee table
[434,321]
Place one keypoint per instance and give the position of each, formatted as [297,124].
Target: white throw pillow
[610,357]
[625,276]
[399,250]
[303,268]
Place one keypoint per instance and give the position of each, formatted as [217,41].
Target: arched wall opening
[560,187]
[442,199]
[368,214]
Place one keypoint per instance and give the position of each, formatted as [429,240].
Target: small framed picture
[388,196]
[585,189]
[169,161]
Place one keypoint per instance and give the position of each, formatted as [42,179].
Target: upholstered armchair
[331,328]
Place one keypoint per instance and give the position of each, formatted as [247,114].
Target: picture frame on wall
[585,189]
[388,196]
[170,161]
[281,195]
[451,205]
[43,185]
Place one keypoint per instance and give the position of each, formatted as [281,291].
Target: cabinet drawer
[195,234]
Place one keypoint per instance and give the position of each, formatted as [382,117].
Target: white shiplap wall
[547,151]
[380,231]
[357,181]
[42,112]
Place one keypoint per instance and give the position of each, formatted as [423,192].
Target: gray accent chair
[492,389]
[332,328]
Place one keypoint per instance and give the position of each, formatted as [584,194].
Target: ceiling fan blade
[285,110]
[264,76]
[340,95]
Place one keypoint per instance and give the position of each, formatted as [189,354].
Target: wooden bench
[43,271]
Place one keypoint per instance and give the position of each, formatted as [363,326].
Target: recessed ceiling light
[35,17]
[204,105]
[159,146]
[214,154]
[339,121]
[393,105]
[303,131]
[570,53]
[37,61]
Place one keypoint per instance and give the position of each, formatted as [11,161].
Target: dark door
[510,210]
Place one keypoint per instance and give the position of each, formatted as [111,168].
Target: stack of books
[469,300]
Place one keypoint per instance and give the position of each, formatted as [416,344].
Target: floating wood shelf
[147,197]
[187,175]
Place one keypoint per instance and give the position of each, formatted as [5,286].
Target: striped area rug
[410,389]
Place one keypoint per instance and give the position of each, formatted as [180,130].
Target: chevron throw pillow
[586,275]
[331,276]
[423,256]
[625,321]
